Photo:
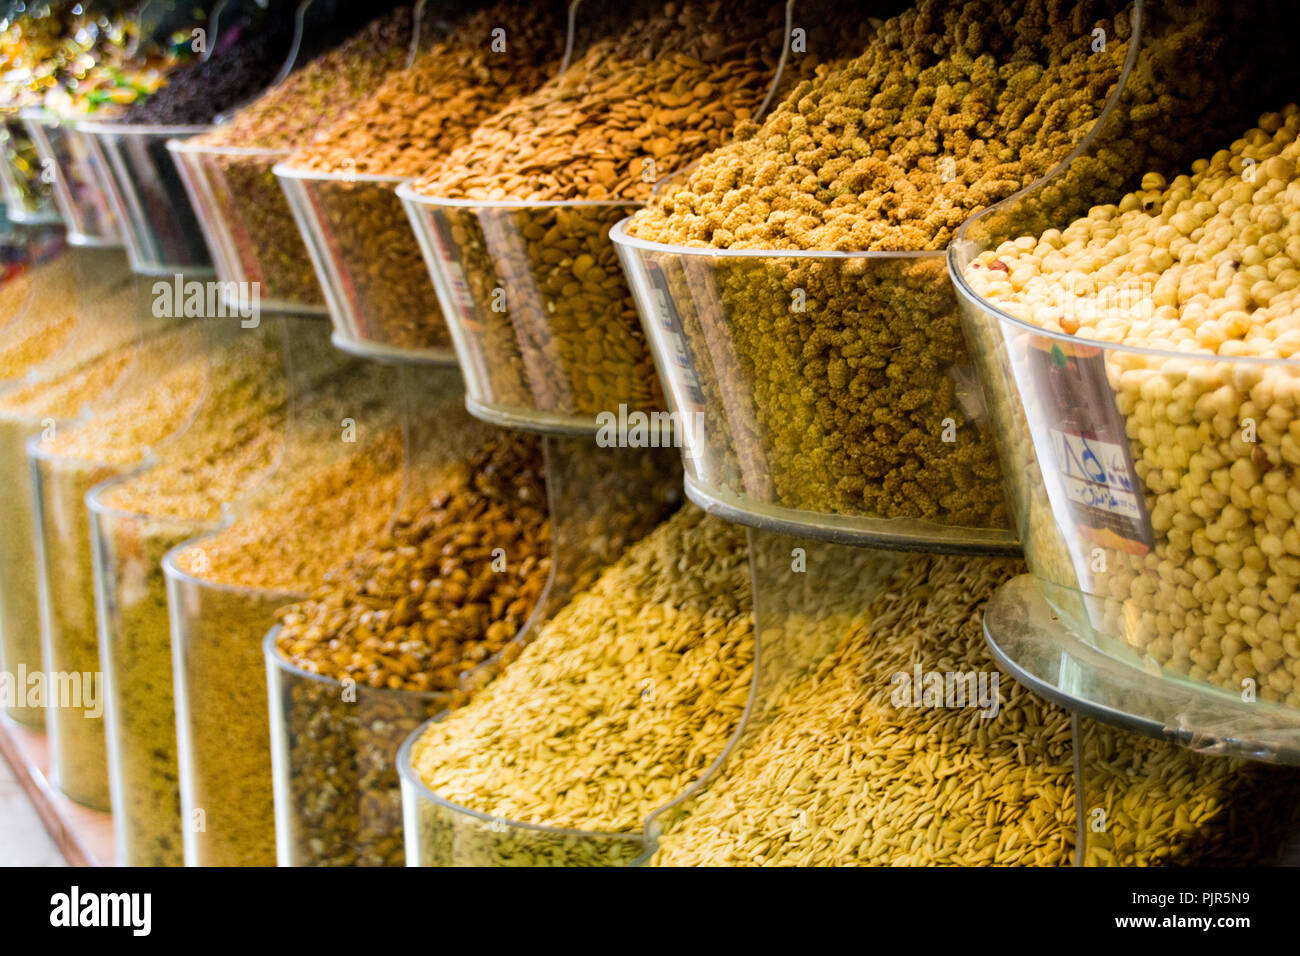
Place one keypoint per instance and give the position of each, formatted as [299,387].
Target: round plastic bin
[542,320]
[158,224]
[141,719]
[223,735]
[78,180]
[379,293]
[25,183]
[839,443]
[74,715]
[1157,512]
[334,752]
[248,224]
[20,628]
[36,404]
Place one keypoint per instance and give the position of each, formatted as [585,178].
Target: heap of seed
[632,109]
[280,120]
[1206,264]
[624,699]
[848,377]
[125,431]
[32,339]
[290,113]
[425,603]
[59,315]
[839,770]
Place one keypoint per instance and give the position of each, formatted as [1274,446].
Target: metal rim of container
[391,355]
[1020,602]
[855,531]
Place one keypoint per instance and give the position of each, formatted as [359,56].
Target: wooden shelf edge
[84,836]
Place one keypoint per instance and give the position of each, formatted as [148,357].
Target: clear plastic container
[65,578]
[131,603]
[77,179]
[106,321]
[1155,510]
[602,500]
[20,628]
[379,293]
[335,745]
[135,528]
[158,224]
[770,434]
[223,735]
[334,752]
[248,224]
[25,183]
[543,323]
[75,720]
[973,770]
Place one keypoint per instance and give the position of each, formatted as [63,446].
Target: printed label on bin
[680,362]
[1096,480]
[444,246]
[681,365]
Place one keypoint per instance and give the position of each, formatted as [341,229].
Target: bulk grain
[847,379]
[625,698]
[232,444]
[839,768]
[387,638]
[222,462]
[66,466]
[24,412]
[235,582]
[417,116]
[1204,264]
[632,109]
[272,126]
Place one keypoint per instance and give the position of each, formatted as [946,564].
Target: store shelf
[84,836]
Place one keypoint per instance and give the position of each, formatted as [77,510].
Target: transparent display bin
[223,735]
[141,720]
[78,180]
[64,551]
[24,182]
[379,292]
[335,743]
[106,319]
[602,500]
[880,731]
[542,320]
[74,714]
[20,625]
[1154,494]
[157,222]
[248,224]
[334,752]
[869,428]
